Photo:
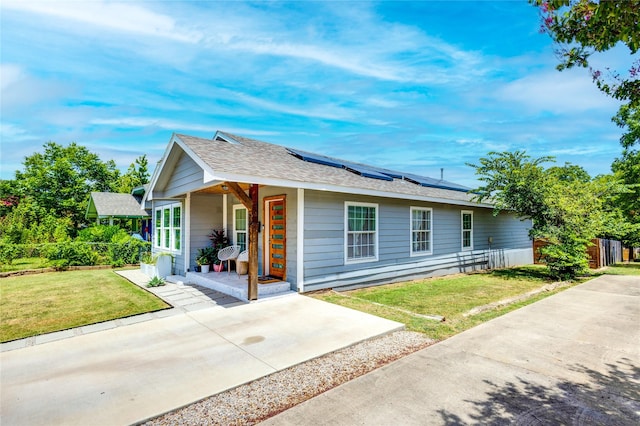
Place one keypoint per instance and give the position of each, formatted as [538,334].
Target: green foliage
[27,223]
[218,241]
[582,27]
[627,169]
[156,282]
[60,180]
[102,234]
[207,256]
[567,207]
[137,175]
[71,253]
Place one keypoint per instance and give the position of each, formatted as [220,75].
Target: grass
[25,263]
[622,269]
[450,297]
[35,304]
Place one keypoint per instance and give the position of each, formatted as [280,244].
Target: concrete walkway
[573,358]
[129,373]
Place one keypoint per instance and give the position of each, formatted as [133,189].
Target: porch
[236,285]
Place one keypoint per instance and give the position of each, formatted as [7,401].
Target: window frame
[376,233]
[164,225]
[463,230]
[413,231]
[237,207]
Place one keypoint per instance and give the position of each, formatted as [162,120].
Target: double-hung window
[421,234]
[240,226]
[361,232]
[168,227]
[467,230]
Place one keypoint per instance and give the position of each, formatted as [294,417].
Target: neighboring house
[107,206]
[324,222]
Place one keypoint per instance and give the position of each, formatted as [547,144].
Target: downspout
[300,243]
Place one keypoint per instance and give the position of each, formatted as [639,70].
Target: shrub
[71,253]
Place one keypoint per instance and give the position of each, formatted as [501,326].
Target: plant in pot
[218,241]
[204,258]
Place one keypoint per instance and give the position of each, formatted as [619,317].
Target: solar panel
[434,183]
[315,158]
[374,172]
[366,171]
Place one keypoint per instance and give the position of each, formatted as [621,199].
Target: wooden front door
[276,236]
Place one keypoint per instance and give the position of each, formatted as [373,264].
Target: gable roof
[229,157]
[110,204]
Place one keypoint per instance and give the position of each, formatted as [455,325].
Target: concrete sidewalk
[130,373]
[573,358]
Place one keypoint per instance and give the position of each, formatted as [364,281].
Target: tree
[582,27]
[565,204]
[627,170]
[137,175]
[60,180]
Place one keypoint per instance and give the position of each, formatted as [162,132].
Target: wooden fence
[601,253]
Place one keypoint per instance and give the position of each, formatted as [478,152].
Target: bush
[567,259]
[71,253]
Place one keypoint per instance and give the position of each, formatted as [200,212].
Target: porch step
[235,285]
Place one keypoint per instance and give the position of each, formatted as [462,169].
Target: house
[320,222]
[110,206]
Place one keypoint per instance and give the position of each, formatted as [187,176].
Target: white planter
[149,269]
[163,265]
[204,269]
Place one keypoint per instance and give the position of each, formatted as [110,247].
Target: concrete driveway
[133,372]
[573,358]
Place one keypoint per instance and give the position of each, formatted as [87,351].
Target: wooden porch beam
[240,194]
[252,283]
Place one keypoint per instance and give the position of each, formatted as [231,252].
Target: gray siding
[206,215]
[186,176]
[324,239]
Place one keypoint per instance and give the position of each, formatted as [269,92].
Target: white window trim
[348,261]
[162,228]
[420,253]
[237,207]
[462,213]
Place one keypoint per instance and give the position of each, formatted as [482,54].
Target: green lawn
[623,269]
[25,263]
[450,297]
[42,303]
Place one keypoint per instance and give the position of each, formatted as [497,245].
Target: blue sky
[411,86]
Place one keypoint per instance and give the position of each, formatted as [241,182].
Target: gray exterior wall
[186,176]
[206,215]
[324,263]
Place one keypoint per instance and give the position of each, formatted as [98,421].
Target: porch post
[252,283]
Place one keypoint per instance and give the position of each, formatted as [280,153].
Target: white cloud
[570,91]
[122,17]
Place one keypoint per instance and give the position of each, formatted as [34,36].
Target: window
[168,227]
[240,226]
[420,231]
[361,239]
[467,230]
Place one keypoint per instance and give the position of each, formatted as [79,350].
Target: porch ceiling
[217,189]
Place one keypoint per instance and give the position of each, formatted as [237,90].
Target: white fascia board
[341,189]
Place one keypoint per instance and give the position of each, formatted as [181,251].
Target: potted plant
[218,241]
[204,258]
